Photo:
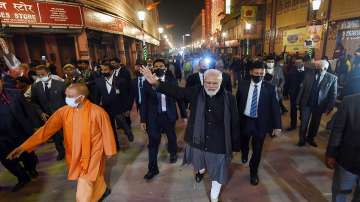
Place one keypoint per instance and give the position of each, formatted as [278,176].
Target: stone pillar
[52,52]
[121,49]
[133,53]
[82,47]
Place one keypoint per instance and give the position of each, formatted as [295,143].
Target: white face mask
[45,79]
[270,71]
[212,93]
[72,101]
[270,65]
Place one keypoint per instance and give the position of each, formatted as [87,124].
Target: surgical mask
[270,71]
[160,72]
[270,65]
[45,79]
[257,79]
[72,101]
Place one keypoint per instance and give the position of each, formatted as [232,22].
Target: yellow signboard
[299,40]
[248,12]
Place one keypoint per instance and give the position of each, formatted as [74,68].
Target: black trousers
[250,135]
[310,122]
[59,143]
[29,161]
[162,124]
[113,125]
[293,110]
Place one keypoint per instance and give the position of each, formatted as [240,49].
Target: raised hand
[149,76]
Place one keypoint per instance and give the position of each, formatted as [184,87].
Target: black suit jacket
[57,96]
[149,106]
[344,141]
[115,103]
[124,78]
[194,80]
[327,92]
[269,116]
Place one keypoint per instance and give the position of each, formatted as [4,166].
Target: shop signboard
[60,14]
[19,12]
[22,12]
[298,40]
[101,21]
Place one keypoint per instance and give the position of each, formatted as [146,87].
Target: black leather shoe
[244,160]
[301,144]
[105,195]
[60,157]
[254,180]
[173,158]
[151,174]
[20,185]
[312,143]
[199,177]
[130,137]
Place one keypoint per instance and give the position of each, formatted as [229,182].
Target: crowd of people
[228,105]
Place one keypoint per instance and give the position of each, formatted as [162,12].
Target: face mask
[270,65]
[45,79]
[212,93]
[270,71]
[160,72]
[257,79]
[137,73]
[72,101]
[107,74]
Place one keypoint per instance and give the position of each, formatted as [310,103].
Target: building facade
[66,31]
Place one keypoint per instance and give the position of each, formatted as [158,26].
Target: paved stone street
[288,173]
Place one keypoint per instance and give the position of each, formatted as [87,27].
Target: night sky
[181,13]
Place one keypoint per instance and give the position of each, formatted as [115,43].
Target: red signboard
[27,12]
[97,20]
[60,14]
[19,12]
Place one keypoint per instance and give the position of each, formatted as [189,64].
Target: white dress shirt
[108,82]
[48,84]
[250,95]
[140,83]
[163,98]
[201,77]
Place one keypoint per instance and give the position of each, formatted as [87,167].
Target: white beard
[212,93]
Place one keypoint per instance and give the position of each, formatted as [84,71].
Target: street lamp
[247,28]
[316,5]
[183,36]
[161,30]
[141,16]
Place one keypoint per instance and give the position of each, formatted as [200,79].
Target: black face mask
[257,79]
[106,74]
[160,72]
[137,73]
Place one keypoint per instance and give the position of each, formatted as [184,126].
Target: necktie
[253,109]
[47,91]
[140,89]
